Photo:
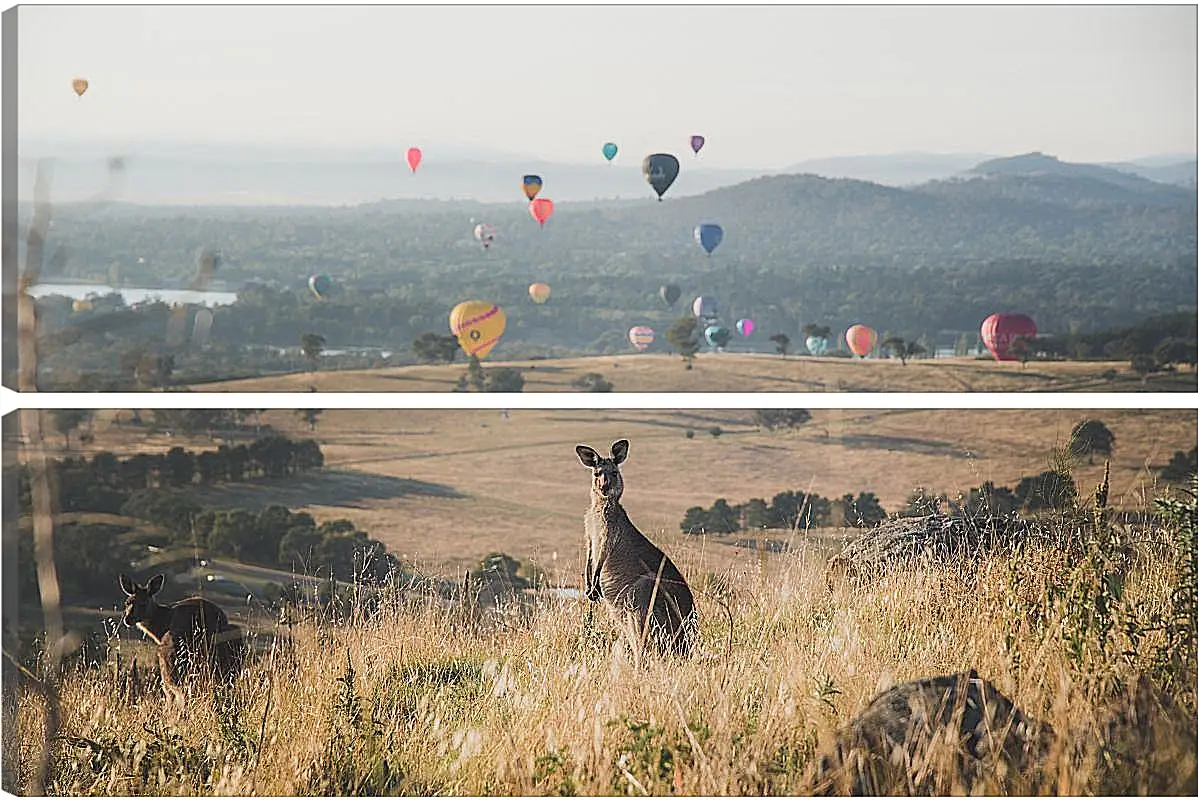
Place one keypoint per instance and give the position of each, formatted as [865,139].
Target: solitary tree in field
[682,336]
[781,343]
[904,349]
[1089,437]
[313,345]
[1023,348]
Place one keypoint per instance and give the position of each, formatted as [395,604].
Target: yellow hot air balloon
[478,326]
[81,305]
[539,292]
[79,85]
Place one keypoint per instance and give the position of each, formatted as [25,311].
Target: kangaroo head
[139,600]
[607,482]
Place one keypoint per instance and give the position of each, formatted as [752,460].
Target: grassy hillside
[733,372]
[414,700]
[445,487]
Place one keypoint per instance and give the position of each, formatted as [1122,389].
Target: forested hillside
[1077,252]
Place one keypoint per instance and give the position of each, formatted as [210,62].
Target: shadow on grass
[329,487]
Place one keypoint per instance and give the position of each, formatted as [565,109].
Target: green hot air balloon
[661,169]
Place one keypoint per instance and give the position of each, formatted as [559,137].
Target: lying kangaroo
[194,636]
[628,571]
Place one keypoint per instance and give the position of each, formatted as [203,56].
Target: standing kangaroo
[628,571]
[194,636]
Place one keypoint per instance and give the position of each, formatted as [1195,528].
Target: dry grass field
[445,487]
[741,372]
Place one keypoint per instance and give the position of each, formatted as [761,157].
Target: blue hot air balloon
[817,345]
[717,335]
[609,150]
[709,235]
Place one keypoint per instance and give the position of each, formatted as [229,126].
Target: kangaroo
[636,579]
[194,636]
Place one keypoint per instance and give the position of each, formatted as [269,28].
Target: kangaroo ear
[127,585]
[619,450]
[587,455]
[155,584]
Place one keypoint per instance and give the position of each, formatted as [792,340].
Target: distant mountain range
[230,175]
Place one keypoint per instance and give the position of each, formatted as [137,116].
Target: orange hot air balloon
[861,339]
[539,292]
[79,85]
[478,326]
[414,156]
[541,209]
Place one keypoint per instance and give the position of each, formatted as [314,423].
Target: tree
[1144,365]
[504,379]
[781,343]
[903,349]
[723,518]
[864,511]
[1089,437]
[432,348]
[1023,348]
[1048,490]
[180,466]
[694,520]
[1181,466]
[990,500]
[756,515]
[66,420]
[1176,351]
[775,418]
[592,382]
[313,345]
[683,337]
[310,416]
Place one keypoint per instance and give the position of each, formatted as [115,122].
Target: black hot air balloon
[670,293]
[660,171]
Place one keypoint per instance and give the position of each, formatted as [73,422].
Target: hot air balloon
[81,305]
[861,339]
[484,232]
[414,156]
[539,292]
[202,327]
[705,307]
[641,336]
[661,169]
[541,209]
[817,345]
[478,326]
[697,143]
[670,293]
[79,85]
[716,335]
[709,235]
[610,150]
[1000,331]
[745,327]
[320,285]
[532,186]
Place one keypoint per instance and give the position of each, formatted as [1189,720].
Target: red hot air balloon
[541,209]
[414,156]
[1000,331]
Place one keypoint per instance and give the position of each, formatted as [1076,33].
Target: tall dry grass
[414,699]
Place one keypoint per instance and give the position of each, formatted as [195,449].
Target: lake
[134,295]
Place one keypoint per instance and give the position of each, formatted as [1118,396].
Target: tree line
[105,482]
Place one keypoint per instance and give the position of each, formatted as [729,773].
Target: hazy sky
[768,85]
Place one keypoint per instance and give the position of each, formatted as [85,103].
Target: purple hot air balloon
[697,143]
